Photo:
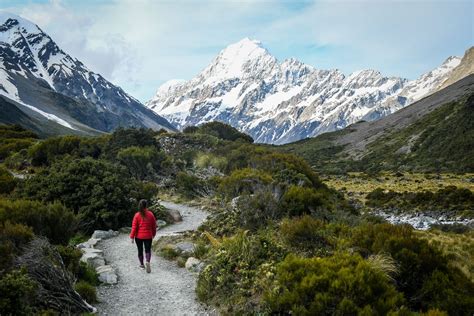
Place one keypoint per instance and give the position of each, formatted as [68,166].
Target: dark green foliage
[244,181]
[52,149]
[14,138]
[299,201]
[88,274]
[86,291]
[53,221]
[449,198]
[257,210]
[219,130]
[18,294]
[339,285]
[101,193]
[420,265]
[7,181]
[12,239]
[306,234]
[123,138]
[189,185]
[141,162]
[71,257]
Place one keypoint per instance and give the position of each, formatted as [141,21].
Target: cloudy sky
[139,44]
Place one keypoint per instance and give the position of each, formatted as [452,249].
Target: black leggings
[140,243]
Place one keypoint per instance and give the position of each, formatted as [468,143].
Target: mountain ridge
[33,66]
[280,102]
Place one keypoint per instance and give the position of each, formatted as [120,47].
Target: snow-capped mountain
[38,76]
[279,102]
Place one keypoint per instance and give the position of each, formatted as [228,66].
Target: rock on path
[167,290]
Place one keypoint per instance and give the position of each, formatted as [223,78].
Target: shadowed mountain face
[433,134]
[280,102]
[35,74]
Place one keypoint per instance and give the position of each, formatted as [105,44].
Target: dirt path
[167,290]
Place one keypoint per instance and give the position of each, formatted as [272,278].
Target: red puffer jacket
[143,227]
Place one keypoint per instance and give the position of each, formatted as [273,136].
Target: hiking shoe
[148,268]
[142,267]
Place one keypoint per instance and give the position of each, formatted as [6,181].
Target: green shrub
[299,201]
[141,162]
[18,294]
[244,181]
[87,273]
[181,262]
[86,291]
[53,221]
[230,278]
[102,194]
[71,258]
[206,160]
[127,137]
[7,181]
[219,130]
[255,211]
[339,285]
[190,186]
[420,264]
[52,149]
[12,239]
[306,234]
[13,145]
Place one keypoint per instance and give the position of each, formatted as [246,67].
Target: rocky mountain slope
[279,102]
[37,76]
[433,134]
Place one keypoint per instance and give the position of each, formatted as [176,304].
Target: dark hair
[142,206]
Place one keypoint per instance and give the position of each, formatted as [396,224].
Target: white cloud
[141,43]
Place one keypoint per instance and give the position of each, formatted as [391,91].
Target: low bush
[244,181]
[306,234]
[191,186]
[101,193]
[86,291]
[339,285]
[7,181]
[230,278]
[87,273]
[53,221]
[18,294]
[420,266]
[297,201]
[141,162]
[168,252]
[219,130]
[12,239]
[255,211]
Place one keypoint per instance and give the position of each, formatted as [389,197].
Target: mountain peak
[9,20]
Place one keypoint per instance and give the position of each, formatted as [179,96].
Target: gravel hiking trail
[167,290]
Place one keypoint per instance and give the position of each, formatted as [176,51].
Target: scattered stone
[193,264]
[106,274]
[88,244]
[94,259]
[185,248]
[103,234]
[176,215]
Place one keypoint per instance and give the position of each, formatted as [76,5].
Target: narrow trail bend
[167,290]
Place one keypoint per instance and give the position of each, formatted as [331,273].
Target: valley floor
[167,290]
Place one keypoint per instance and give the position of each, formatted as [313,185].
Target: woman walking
[143,232]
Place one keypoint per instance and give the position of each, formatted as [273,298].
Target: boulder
[103,234]
[175,215]
[106,274]
[185,248]
[93,258]
[88,244]
[193,264]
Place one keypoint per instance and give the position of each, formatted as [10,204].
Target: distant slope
[36,74]
[433,134]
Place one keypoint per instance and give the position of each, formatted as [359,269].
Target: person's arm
[134,231]
[153,224]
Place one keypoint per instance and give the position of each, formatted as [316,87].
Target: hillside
[51,87]
[433,134]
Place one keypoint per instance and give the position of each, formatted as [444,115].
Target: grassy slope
[441,141]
